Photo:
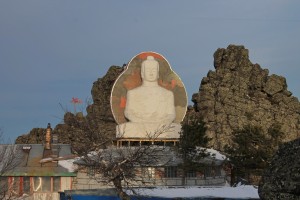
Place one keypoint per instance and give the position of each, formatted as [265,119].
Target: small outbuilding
[38,171]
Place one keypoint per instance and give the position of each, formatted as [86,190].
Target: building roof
[35,160]
[160,156]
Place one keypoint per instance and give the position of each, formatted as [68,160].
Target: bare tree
[118,166]
[9,159]
[114,166]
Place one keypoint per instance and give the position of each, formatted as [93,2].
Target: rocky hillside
[238,93]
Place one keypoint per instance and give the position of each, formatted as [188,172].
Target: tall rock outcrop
[238,93]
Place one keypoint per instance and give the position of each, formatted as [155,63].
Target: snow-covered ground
[239,192]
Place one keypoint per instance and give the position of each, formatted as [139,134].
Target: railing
[188,181]
[220,180]
[46,196]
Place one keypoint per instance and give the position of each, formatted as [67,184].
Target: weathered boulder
[281,180]
[275,84]
[238,93]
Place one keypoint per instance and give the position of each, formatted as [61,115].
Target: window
[56,184]
[149,172]
[15,186]
[191,174]
[26,185]
[37,184]
[212,171]
[3,184]
[170,172]
[91,171]
[46,184]
[218,171]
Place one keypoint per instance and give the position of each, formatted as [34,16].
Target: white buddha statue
[149,108]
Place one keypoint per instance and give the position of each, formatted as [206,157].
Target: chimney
[48,137]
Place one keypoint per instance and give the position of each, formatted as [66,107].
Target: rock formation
[94,128]
[238,93]
[235,94]
[281,180]
[35,136]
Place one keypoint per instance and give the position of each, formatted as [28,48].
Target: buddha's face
[151,72]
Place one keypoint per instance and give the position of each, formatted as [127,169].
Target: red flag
[76,100]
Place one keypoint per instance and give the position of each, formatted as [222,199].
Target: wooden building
[40,171]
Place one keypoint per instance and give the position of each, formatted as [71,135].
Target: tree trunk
[232,178]
[183,178]
[118,185]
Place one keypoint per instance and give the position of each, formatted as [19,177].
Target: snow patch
[241,192]
[216,154]
[68,164]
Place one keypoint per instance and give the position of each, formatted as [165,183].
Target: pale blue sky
[51,51]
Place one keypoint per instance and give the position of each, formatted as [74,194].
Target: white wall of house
[66,183]
[84,180]
[152,177]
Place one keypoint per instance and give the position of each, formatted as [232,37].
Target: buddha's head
[150,69]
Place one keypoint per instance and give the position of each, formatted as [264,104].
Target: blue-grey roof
[35,160]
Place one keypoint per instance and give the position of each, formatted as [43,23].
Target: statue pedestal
[150,131]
